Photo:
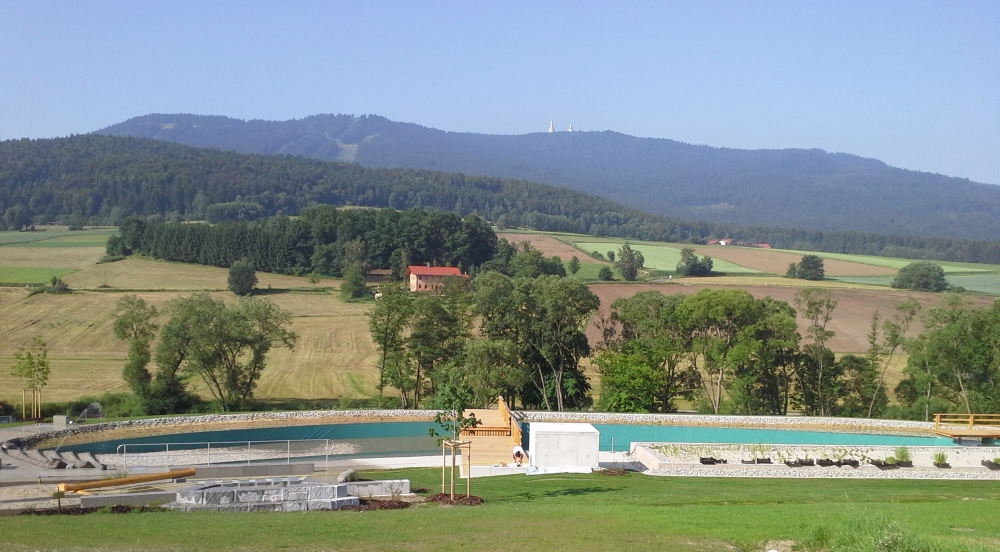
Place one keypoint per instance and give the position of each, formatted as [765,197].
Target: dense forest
[793,188]
[103,180]
[323,239]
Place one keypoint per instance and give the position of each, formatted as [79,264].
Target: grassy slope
[660,256]
[334,356]
[560,512]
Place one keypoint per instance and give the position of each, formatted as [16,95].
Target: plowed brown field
[777,262]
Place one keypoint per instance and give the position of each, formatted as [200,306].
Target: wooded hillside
[104,179]
[791,188]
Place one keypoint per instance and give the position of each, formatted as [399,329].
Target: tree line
[322,240]
[96,179]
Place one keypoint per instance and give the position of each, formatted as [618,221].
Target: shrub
[111,259]
[605,274]
[891,460]
[941,457]
[921,276]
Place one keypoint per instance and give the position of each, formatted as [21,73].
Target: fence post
[288,454]
[209,453]
[248,453]
[168,456]
[326,463]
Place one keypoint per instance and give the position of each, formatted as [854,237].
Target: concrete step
[88,457]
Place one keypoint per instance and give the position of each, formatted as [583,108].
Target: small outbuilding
[564,446]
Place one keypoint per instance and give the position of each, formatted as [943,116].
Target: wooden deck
[494,438]
[977,426]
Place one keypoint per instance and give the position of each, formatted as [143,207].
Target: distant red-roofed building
[723,241]
[428,278]
[764,245]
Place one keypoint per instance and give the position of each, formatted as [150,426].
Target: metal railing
[225,452]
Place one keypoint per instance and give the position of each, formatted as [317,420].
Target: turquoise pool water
[412,438]
[372,439]
[625,434]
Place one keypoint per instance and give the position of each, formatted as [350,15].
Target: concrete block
[320,504]
[249,495]
[132,499]
[218,496]
[262,507]
[296,493]
[59,422]
[294,506]
[346,501]
[319,492]
[273,495]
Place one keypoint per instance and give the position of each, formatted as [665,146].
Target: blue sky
[915,84]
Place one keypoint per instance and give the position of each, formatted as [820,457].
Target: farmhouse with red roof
[428,278]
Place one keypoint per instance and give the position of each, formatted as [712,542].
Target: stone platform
[246,496]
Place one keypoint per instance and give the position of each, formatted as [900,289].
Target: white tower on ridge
[551,128]
[570,127]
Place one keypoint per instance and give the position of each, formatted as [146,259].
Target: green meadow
[660,257]
[571,512]
[30,275]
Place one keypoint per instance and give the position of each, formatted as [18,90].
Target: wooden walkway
[976,426]
[494,438]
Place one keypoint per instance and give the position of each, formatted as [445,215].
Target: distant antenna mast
[570,127]
[551,128]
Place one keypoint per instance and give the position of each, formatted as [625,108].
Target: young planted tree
[31,366]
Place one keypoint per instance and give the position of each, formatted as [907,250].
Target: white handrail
[220,446]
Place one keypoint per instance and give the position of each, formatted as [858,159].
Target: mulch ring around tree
[369,505]
[613,472]
[460,500]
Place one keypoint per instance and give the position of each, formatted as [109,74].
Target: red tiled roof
[420,270]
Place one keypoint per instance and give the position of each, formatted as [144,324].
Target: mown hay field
[46,257]
[30,275]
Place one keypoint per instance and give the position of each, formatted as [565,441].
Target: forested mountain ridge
[104,179]
[790,188]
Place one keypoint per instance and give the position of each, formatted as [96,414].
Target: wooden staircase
[494,438]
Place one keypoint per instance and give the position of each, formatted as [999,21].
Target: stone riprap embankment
[684,460]
[203,422]
[855,425]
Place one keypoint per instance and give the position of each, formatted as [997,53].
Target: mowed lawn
[560,512]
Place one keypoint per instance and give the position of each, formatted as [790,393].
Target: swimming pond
[413,438]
